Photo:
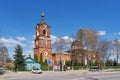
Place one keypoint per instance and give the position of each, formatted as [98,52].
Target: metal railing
[51,68]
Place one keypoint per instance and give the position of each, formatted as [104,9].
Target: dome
[77,43]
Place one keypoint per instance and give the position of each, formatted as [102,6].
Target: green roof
[30,60]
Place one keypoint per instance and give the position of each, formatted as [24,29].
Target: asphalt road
[69,75]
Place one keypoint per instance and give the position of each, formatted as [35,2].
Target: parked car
[94,68]
[36,70]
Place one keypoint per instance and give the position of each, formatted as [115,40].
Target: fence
[46,68]
[50,68]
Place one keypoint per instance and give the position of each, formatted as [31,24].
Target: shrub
[1,72]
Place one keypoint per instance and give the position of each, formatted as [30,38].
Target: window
[44,32]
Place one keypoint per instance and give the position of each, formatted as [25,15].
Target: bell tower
[42,40]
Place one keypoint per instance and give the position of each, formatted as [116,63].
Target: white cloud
[21,38]
[101,33]
[10,42]
[53,39]
[118,33]
[67,41]
[29,52]
[67,38]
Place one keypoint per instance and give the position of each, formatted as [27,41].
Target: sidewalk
[67,72]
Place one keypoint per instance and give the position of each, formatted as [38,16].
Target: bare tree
[59,45]
[104,50]
[89,38]
[3,55]
[116,45]
[62,44]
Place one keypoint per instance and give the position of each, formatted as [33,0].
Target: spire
[42,18]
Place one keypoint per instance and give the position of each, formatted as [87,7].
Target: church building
[43,45]
[43,41]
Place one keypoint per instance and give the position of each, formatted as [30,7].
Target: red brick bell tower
[42,40]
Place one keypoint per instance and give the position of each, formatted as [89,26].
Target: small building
[31,63]
[60,56]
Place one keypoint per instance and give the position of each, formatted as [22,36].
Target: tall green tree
[41,59]
[35,58]
[19,60]
[45,62]
[61,65]
[67,63]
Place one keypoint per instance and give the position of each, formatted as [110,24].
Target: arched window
[44,32]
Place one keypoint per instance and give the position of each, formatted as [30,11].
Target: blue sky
[18,19]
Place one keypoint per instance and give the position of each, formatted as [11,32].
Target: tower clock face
[45,53]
